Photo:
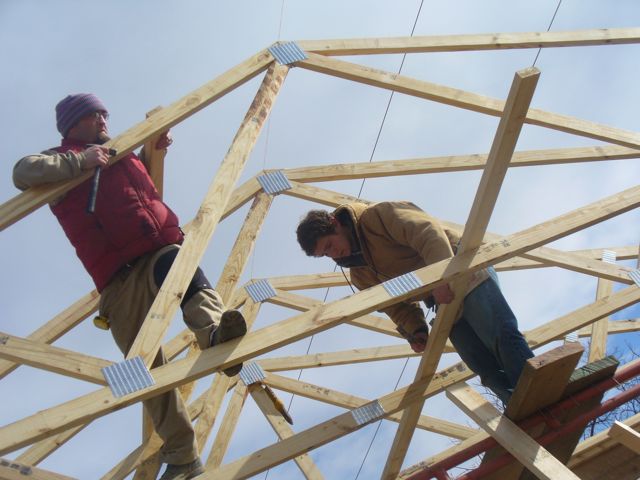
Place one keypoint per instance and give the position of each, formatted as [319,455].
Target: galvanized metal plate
[251,373]
[571,337]
[368,413]
[287,53]
[635,276]
[274,182]
[260,290]
[128,376]
[609,256]
[402,284]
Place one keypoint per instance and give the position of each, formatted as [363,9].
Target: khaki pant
[125,302]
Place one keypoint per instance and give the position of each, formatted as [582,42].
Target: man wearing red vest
[127,245]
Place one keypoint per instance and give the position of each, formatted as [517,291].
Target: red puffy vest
[129,220]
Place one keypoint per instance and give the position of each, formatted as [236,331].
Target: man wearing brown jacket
[384,240]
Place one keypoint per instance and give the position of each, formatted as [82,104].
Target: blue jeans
[488,340]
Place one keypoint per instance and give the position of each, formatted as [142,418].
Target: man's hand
[95,156]
[164,140]
[442,294]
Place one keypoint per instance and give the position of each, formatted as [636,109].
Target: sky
[139,55]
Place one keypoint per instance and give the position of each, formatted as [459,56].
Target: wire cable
[548,28]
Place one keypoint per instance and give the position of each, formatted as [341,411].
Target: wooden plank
[466,100]
[309,281]
[599,330]
[543,380]
[343,424]
[626,436]
[455,163]
[614,327]
[172,290]
[283,430]
[53,359]
[330,359]
[82,409]
[486,41]
[512,438]
[58,325]
[227,427]
[12,470]
[154,158]
[334,397]
[502,149]
[33,198]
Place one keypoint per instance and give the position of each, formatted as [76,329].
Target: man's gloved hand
[418,339]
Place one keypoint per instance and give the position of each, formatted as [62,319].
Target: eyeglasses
[99,114]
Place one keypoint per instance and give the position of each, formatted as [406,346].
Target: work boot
[183,472]
[232,325]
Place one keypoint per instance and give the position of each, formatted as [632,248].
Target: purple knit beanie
[73,107]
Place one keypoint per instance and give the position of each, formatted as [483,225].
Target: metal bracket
[402,284]
[287,53]
[251,373]
[368,413]
[22,469]
[260,290]
[571,337]
[128,376]
[609,256]
[635,276]
[274,182]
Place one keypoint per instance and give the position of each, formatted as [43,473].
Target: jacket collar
[351,213]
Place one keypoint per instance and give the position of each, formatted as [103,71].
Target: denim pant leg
[480,359]
[489,315]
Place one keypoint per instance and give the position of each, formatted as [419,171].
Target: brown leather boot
[232,325]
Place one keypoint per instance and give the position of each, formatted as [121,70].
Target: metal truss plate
[635,276]
[260,290]
[274,182]
[287,53]
[251,373]
[571,337]
[128,376]
[402,284]
[368,413]
[609,256]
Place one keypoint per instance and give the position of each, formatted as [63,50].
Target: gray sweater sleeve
[47,167]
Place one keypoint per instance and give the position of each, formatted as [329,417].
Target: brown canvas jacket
[397,238]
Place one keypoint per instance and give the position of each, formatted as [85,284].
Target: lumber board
[308,468]
[504,144]
[485,41]
[522,263]
[455,163]
[467,100]
[53,359]
[58,325]
[90,406]
[599,330]
[227,427]
[154,158]
[343,424]
[513,439]
[12,470]
[309,281]
[26,202]
[339,399]
[614,327]
[626,436]
[161,312]
[331,359]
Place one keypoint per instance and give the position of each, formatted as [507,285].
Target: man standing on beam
[382,241]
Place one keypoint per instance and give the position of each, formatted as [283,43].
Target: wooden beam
[614,326]
[599,330]
[11,470]
[486,41]
[156,323]
[514,440]
[304,282]
[393,402]
[227,427]
[154,158]
[456,163]
[58,326]
[466,100]
[283,430]
[33,198]
[90,406]
[334,397]
[502,149]
[625,435]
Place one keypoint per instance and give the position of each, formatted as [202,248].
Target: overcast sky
[138,55]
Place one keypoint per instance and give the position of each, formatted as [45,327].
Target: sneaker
[232,325]
[183,472]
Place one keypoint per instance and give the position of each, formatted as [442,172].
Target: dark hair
[315,224]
